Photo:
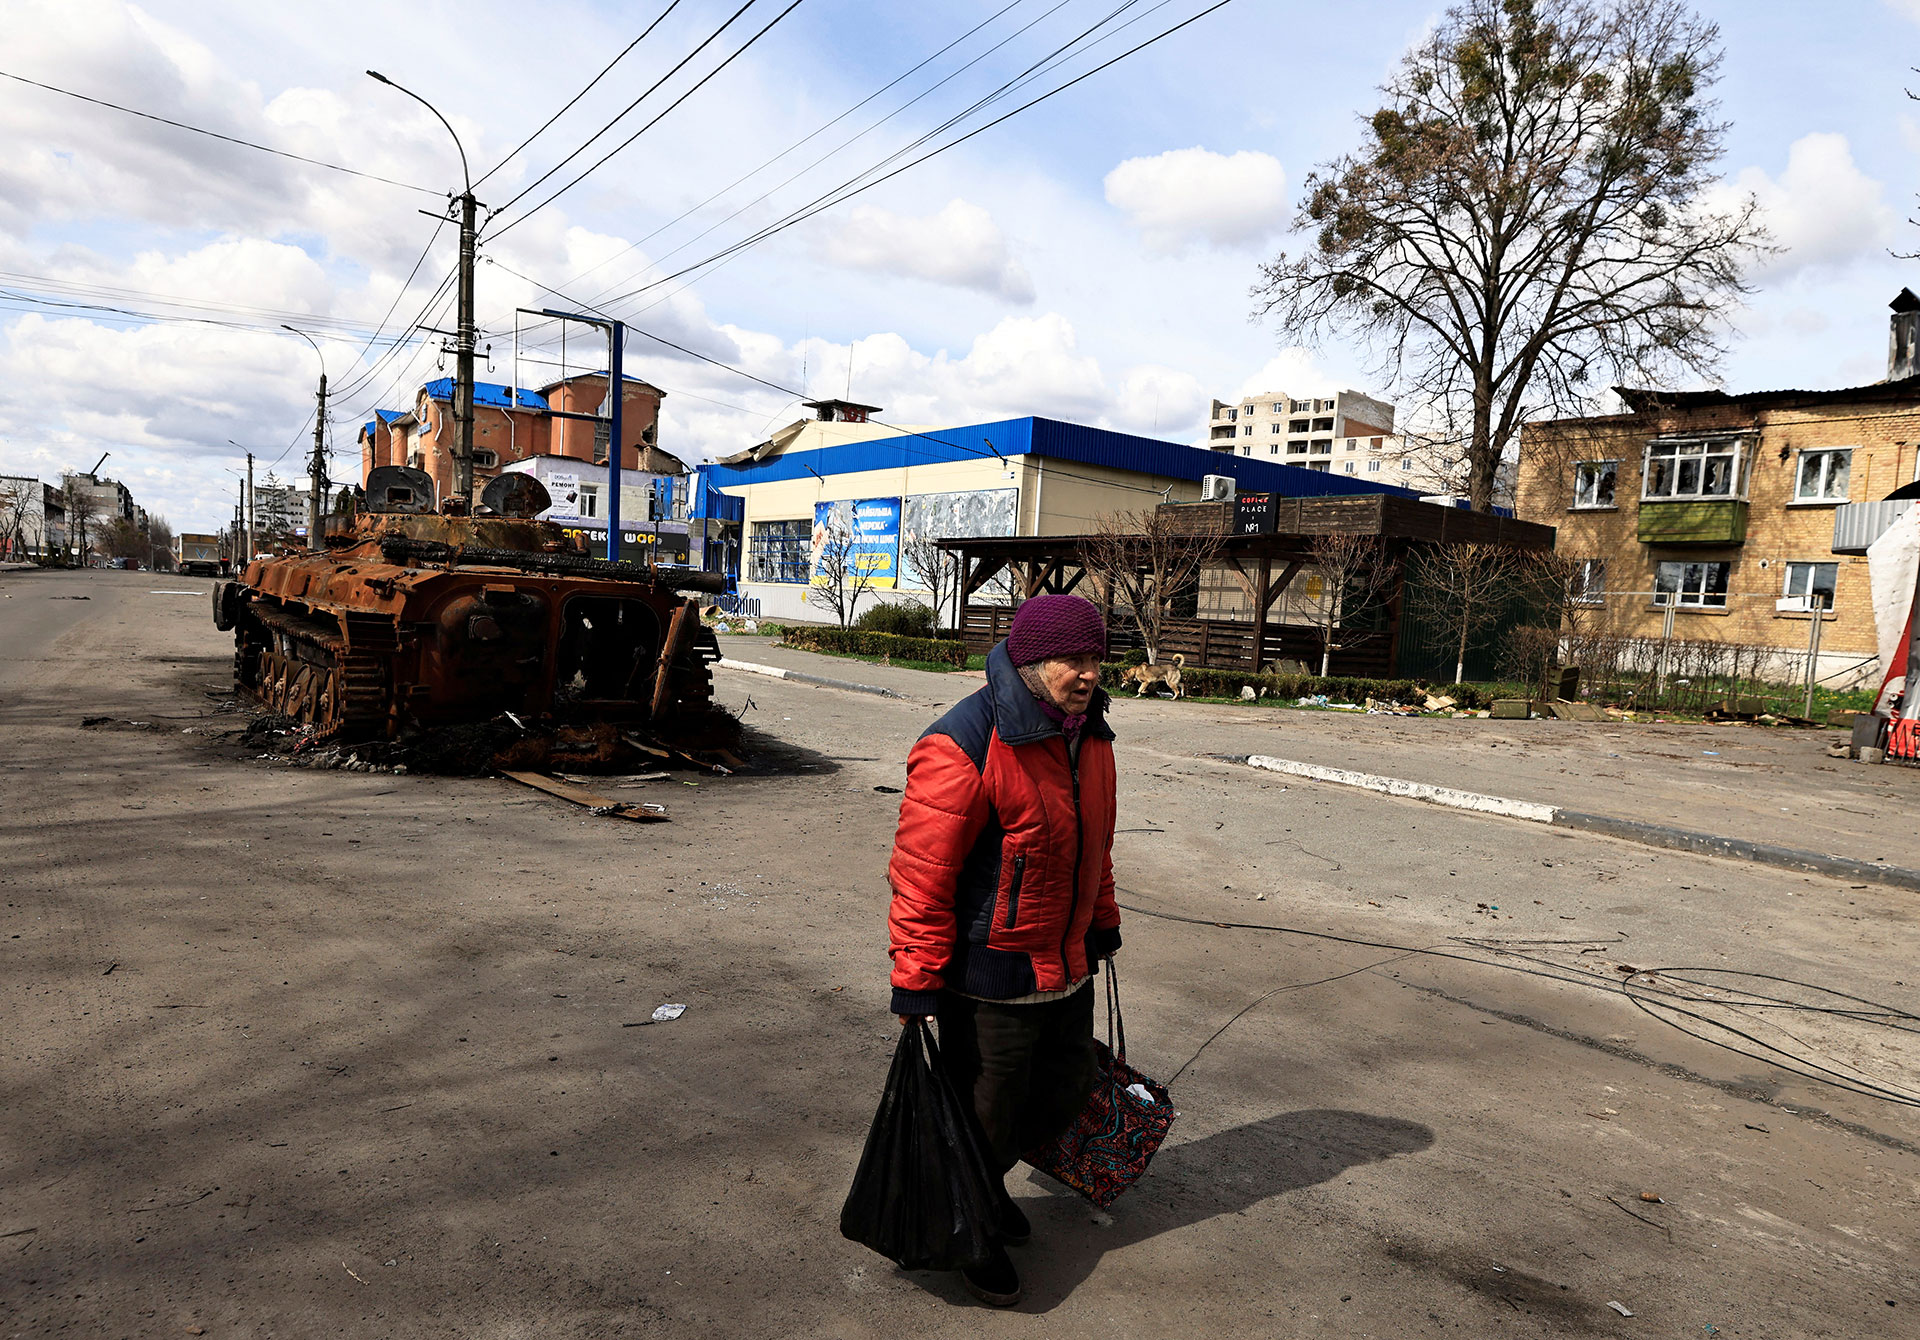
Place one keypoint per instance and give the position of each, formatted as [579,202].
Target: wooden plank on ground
[598,804]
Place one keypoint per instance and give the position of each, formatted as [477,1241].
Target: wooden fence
[1218,644]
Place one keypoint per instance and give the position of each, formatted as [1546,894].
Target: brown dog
[1166,673]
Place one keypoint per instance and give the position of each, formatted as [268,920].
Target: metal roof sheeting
[1052,440]
[489,394]
[383,416]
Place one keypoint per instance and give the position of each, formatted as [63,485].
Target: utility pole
[464,335]
[317,467]
[251,532]
[463,360]
[317,472]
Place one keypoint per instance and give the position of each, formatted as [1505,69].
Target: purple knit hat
[1056,625]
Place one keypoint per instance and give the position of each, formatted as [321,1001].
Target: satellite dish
[516,495]
[400,488]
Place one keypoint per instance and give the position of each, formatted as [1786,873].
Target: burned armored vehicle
[418,618]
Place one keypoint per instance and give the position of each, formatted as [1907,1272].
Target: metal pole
[1666,645]
[616,393]
[317,472]
[1813,655]
[463,363]
[251,532]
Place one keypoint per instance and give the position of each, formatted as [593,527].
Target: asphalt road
[298,1053]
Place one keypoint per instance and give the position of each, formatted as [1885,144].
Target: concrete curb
[1395,786]
[1630,830]
[800,676]
[1738,849]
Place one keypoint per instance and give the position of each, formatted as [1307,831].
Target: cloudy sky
[1089,259]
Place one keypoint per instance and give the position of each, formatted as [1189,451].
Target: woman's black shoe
[1014,1228]
[995,1283]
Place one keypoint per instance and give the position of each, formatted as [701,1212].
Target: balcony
[1857,525]
[1694,521]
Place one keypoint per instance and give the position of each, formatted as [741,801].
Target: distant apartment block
[1347,433]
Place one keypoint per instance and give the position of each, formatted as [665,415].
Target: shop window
[780,551]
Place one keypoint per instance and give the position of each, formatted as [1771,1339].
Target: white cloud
[961,246]
[1822,210]
[1195,197]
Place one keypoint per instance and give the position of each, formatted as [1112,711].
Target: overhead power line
[816,132]
[679,65]
[602,160]
[214,134]
[509,156]
[1031,72]
[848,191]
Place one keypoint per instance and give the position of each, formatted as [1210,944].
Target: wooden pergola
[1264,563]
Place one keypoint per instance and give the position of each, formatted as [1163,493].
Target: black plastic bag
[924,1195]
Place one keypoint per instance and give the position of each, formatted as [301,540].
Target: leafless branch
[1529,220]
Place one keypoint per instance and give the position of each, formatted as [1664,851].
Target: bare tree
[1530,219]
[840,578]
[159,542]
[1356,571]
[82,510]
[121,538]
[1472,585]
[18,498]
[1140,562]
[934,568]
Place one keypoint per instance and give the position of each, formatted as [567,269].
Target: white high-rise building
[1346,433]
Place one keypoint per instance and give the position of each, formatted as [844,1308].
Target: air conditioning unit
[1217,488]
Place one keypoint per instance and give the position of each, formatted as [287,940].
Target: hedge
[859,642]
[1208,683]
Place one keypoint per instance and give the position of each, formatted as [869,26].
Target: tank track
[304,667]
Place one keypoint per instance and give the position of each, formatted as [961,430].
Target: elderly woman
[1002,877]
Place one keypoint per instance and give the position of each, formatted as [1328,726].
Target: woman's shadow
[1218,1174]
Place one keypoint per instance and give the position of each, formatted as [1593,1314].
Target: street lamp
[464,339]
[317,467]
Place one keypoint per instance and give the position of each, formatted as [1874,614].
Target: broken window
[1702,585]
[1593,483]
[1692,468]
[1824,476]
[780,551]
[1812,583]
[1589,584]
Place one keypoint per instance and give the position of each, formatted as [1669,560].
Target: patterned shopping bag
[1127,1115]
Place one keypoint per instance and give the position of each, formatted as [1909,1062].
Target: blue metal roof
[1053,440]
[384,416]
[490,394]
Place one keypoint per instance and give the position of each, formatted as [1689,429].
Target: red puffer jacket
[1002,867]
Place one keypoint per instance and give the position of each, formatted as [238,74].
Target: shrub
[902,618]
[861,642]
